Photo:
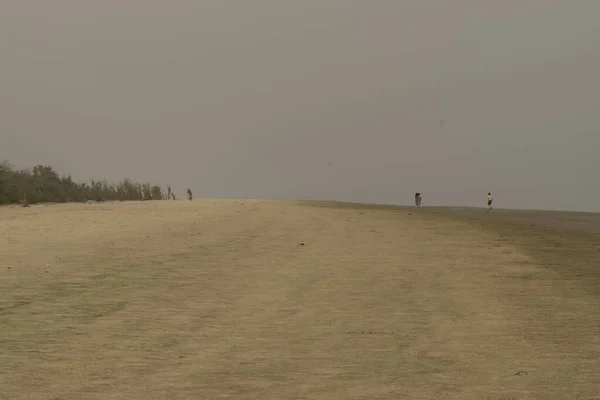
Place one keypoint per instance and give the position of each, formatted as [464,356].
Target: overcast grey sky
[366,100]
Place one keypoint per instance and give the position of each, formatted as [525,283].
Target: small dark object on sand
[301,244]
[521,373]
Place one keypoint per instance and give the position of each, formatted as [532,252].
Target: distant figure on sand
[418,200]
[490,201]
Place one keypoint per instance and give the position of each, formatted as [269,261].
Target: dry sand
[219,299]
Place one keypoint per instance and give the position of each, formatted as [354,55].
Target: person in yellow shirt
[490,201]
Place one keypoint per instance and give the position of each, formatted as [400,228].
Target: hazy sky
[366,100]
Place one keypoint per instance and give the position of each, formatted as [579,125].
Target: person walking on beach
[490,201]
[418,200]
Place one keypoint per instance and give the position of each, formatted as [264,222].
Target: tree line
[41,184]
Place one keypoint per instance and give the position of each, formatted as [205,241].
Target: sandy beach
[297,300]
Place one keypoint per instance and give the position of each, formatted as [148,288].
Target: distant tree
[146,191]
[5,166]
[156,193]
[42,184]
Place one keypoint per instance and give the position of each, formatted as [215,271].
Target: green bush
[42,184]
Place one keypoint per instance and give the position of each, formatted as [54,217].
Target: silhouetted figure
[418,200]
[490,201]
